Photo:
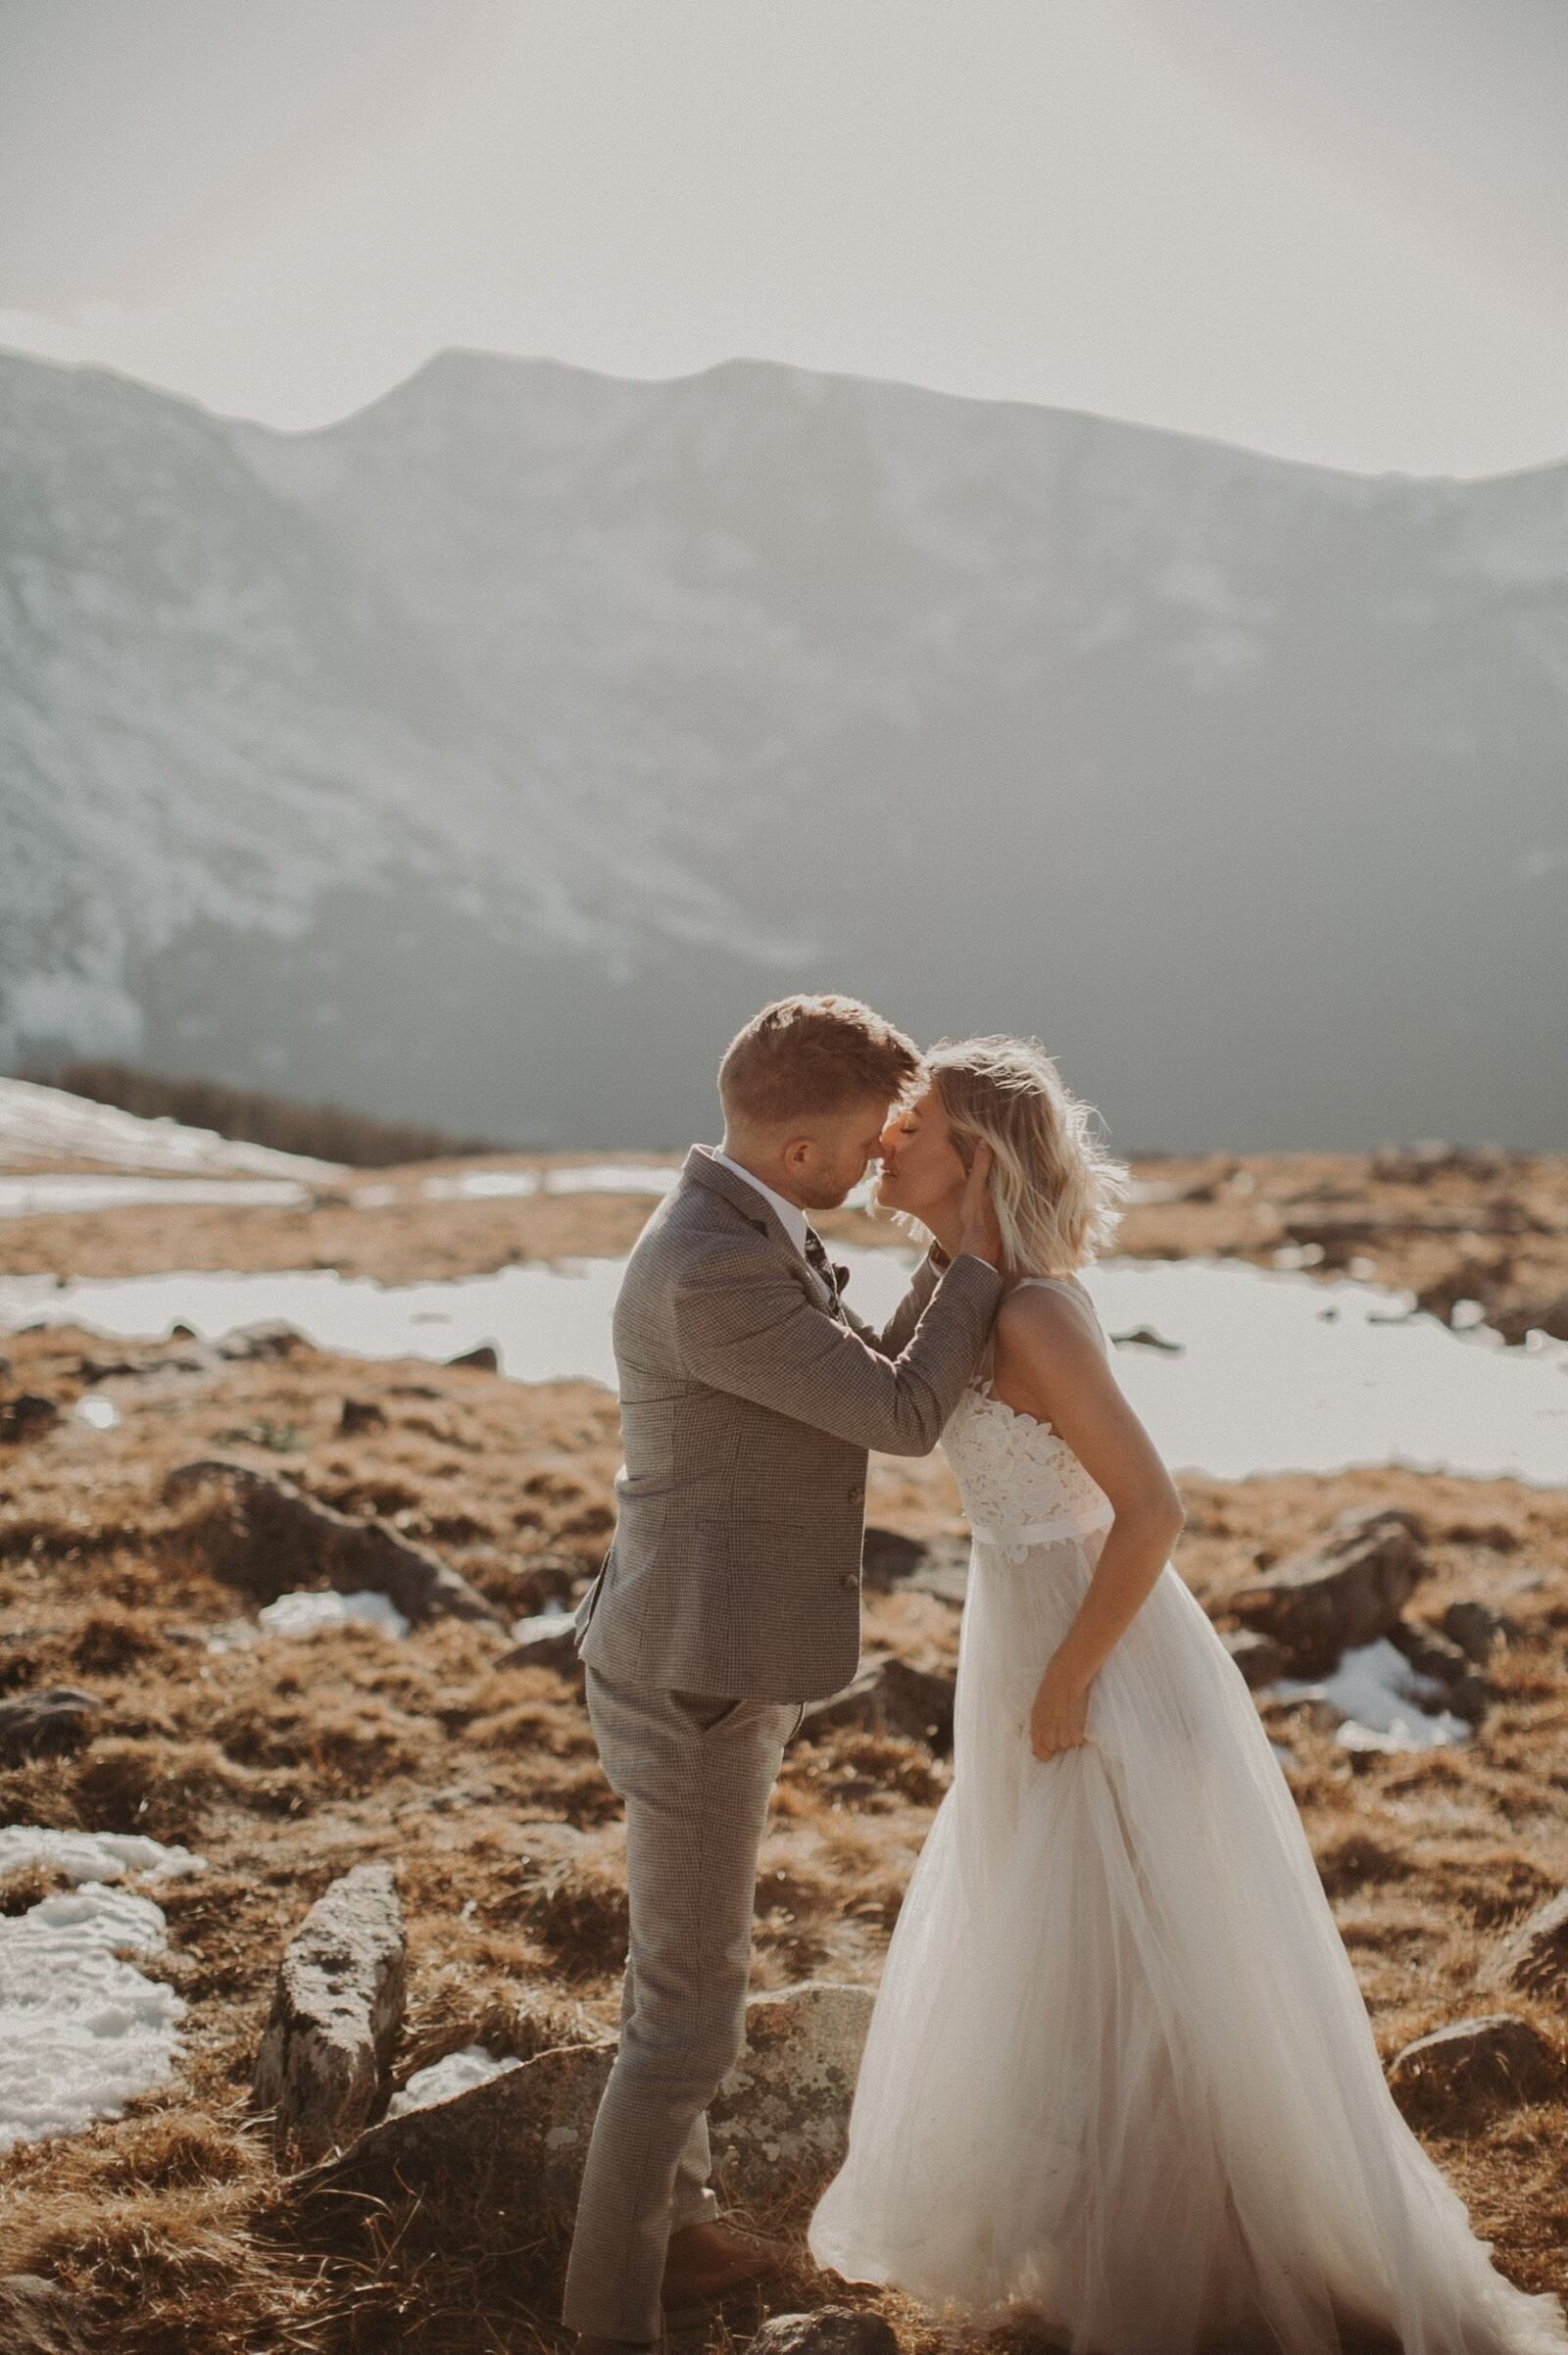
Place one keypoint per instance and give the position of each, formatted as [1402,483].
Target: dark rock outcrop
[39,2317]
[274,1537]
[57,1718]
[1538,1316]
[1461,2075]
[25,1417]
[1346,1591]
[889,1696]
[544,1642]
[359,1414]
[1257,1656]
[1440,1660]
[1476,1629]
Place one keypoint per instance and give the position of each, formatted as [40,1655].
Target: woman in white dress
[1119,2072]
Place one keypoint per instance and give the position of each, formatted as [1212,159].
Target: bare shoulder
[1045,1319]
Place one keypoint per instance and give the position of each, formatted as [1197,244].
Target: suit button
[849,1581]
[855,1494]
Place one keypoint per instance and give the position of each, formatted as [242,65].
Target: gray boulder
[784,2108]
[499,2164]
[274,1537]
[1346,1591]
[1458,2076]
[831,2331]
[57,1718]
[1533,1956]
[335,2015]
[38,2317]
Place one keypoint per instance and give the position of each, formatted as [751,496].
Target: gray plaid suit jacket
[748,1408]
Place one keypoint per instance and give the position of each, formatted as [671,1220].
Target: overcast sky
[1333,229]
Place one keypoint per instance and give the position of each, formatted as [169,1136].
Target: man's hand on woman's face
[980,1230]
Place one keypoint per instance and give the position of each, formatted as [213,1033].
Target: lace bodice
[1022,1484]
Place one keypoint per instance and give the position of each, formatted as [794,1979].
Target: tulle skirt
[1119,2072]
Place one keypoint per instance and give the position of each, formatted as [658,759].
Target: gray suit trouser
[696,1772]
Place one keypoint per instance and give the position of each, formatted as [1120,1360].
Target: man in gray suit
[750,1397]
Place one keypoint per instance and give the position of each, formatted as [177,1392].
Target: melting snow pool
[1270,1371]
[90,1190]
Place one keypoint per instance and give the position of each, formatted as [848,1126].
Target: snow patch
[83,2029]
[304,1609]
[1384,1703]
[40,1125]
[458,2073]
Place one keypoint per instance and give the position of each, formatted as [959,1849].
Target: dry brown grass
[287,1762]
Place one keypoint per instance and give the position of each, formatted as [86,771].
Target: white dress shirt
[791,1216]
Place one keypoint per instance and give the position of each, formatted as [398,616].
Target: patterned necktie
[817,1257]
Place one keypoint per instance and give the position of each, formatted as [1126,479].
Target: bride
[1119,2073]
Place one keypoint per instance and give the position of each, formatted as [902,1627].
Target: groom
[750,1395]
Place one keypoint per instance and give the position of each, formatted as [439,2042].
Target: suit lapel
[756,1208]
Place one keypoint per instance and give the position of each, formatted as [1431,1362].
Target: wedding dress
[1119,2072]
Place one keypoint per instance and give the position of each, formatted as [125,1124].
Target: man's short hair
[811,1054]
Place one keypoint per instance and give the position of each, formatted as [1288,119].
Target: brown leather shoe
[704,2262]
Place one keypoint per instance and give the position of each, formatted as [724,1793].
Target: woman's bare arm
[1050,1363]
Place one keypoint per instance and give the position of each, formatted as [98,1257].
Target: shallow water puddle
[88,1190]
[1269,1371]
[588,1177]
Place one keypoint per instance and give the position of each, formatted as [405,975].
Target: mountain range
[487,756]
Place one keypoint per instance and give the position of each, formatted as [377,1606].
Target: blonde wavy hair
[1058,1191]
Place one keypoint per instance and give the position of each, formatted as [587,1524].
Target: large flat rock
[501,2163]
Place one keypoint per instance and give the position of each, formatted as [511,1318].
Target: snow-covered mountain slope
[44,1128]
[488,755]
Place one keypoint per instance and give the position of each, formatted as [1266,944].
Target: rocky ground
[463,1758]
